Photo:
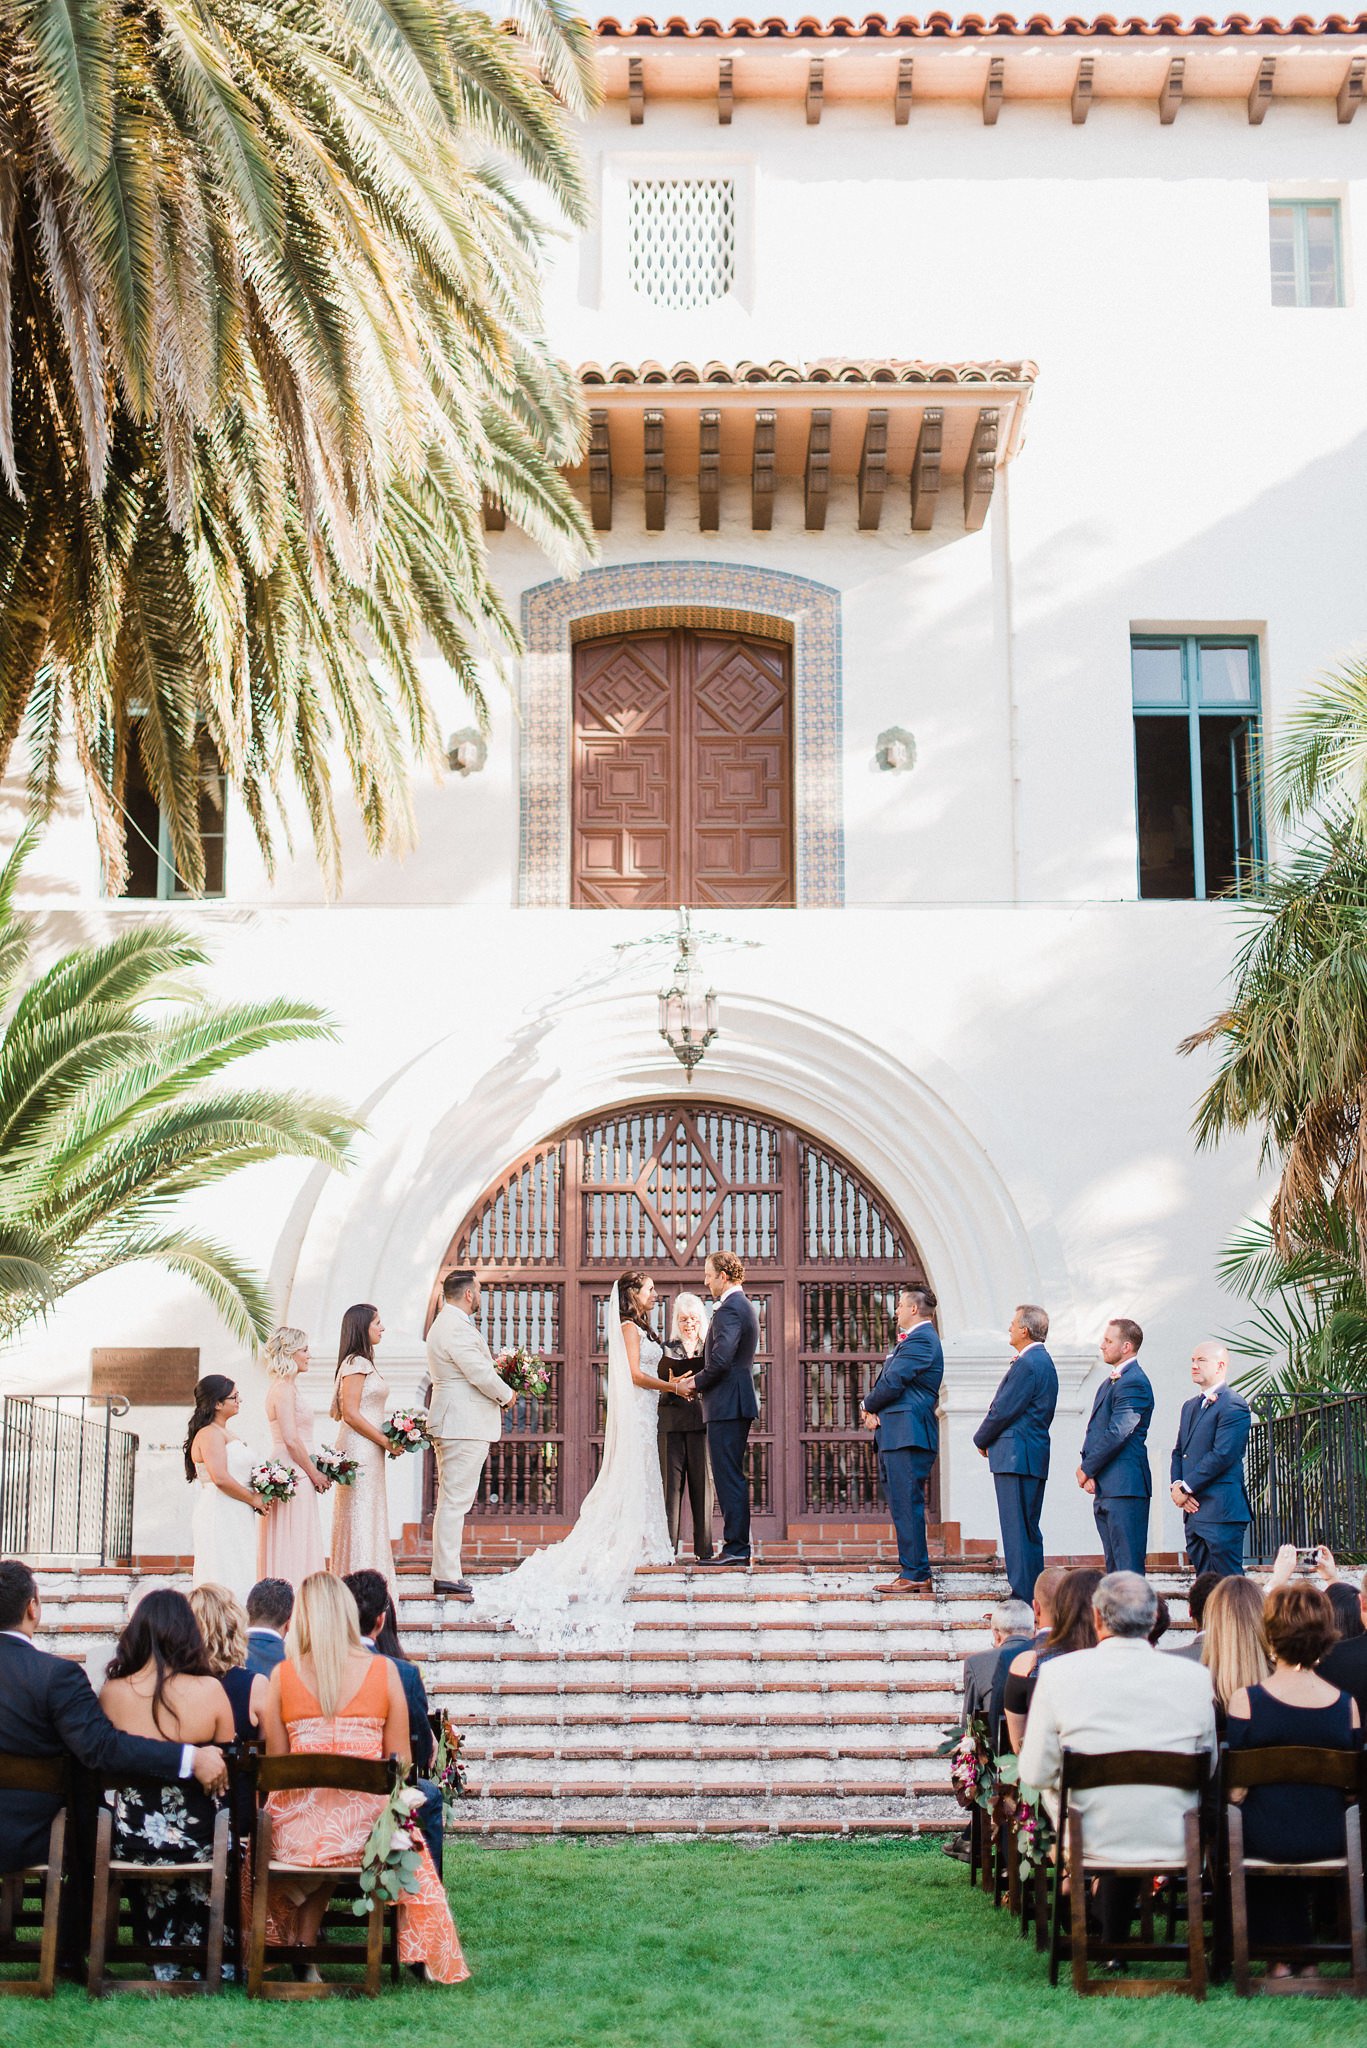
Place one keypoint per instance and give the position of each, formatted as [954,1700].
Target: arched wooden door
[658,1187]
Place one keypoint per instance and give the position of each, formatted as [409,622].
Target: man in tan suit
[465,1417]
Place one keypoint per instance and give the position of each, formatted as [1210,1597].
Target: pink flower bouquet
[273,1480]
[335,1465]
[526,1374]
[407,1427]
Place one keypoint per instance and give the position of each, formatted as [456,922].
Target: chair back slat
[34,1774]
[326,1773]
[1178,1770]
[1338,1769]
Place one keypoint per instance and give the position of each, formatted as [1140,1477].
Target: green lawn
[709,1945]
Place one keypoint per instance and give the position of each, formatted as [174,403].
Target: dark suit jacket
[1015,1430]
[420,1737]
[1346,1667]
[48,1709]
[1209,1456]
[904,1394]
[675,1412]
[726,1381]
[265,1649]
[1115,1449]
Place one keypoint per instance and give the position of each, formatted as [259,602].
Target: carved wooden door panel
[682,771]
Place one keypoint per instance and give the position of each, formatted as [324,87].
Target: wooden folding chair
[30,1899]
[1174,1771]
[113,1877]
[322,1773]
[1342,1771]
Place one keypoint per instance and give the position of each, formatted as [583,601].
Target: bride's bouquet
[526,1374]
[335,1465]
[407,1427]
[273,1480]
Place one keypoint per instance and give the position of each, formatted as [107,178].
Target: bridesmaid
[225,1524]
[292,1549]
[360,1512]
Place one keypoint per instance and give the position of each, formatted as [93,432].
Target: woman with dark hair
[360,1512]
[1074,1628]
[224,1529]
[159,1684]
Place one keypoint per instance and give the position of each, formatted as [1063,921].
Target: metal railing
[1307,1475]
[66,1477]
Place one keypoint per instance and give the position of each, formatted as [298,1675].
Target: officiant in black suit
[725,1384]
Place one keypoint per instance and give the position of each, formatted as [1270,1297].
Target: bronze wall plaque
[152,1376]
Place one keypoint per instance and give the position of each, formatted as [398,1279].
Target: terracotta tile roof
[830,370]
[969,27]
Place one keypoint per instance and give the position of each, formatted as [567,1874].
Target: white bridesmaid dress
[226,1532]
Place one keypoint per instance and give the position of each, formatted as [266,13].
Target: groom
[725,1383]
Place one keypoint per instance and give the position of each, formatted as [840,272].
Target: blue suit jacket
[421,1740]
[265,1649]
[725,1381]
[1209,1456]
[1015,1430]
[1115,1448]
[904,1394]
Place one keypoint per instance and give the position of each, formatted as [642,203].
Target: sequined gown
[360,1512]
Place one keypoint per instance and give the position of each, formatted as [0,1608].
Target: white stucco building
[979,419]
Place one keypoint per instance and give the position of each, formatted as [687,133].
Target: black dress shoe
[453,1589]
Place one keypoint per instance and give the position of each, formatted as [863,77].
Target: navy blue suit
[725,1384]
[903,1397]
[265,1649]
[1209,1456]
[1015,1434]
[422,1745]
[1115,1454]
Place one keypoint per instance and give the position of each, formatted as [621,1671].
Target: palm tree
[109,1115]
[270,335]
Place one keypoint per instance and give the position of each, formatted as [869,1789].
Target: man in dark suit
[269,1607]
[725,1384]
[1208,1466]
[370,1591]
[1013,1436]
[900,1408]
[1345,1664]
[1115,1456]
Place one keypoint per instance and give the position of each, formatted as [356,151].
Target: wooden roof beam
[1260,92]
[709,471]
[816,90]
[816,488]
[636,90]
[653,431]
[1082,89]
[994,91]
[1170,99]
[1350,92]
[762,473]
[726,83]
[600,470]
[925,469]
[873,469]
[901,106]
[980,472]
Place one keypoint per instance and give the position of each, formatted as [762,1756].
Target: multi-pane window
[1196,708]
[147,833]
[681,239]
[1307,266]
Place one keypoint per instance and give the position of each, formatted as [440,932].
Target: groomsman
[900,1408]
[1208,1466]
[1115,1455]
[1013,1436]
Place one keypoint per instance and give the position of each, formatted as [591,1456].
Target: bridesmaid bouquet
[274,1480]
[526,1374]
[335,1465]
[391,1861]
[407,1427]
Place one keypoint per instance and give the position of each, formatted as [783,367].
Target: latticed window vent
[683,239]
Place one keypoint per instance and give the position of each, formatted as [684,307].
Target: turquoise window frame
[1300,208]
[1193,709]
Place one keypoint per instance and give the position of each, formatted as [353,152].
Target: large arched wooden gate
[659,1186]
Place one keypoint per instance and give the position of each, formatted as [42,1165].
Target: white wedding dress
[576,1592]
[226,1532]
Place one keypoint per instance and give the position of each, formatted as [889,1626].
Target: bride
[577,1591]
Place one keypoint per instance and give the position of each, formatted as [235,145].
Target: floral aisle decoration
[392,1857]
[973,1768]
[274,1480]
[526,1374]
[407,1427]
[448,1767]
[336,1465]
[1034,1829]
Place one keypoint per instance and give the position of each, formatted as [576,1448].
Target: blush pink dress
[292,1541]
[360,1512]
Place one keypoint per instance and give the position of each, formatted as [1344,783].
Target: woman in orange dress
[333,1696]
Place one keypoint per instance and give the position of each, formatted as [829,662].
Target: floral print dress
[167,1824]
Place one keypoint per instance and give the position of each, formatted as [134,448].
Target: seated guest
[332,1696]
[1042,1609]
[1121,1695]
[1074,1628]
[1012,1625]
[223,1625]
[269,1607]
[159,1685]
[1292,1707]
[1234,1645]
[1347,1611]
[1162,1622]
[1198,1592]
[1345,1664]
[380,1632]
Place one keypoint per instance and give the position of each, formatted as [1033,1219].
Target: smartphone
[1308,1560]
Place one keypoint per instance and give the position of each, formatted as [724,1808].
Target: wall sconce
[895,751]
[466,751]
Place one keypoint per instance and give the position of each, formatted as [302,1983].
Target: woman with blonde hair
[223,1624]
[683,1433]
[1234,1648]
[333,1696]
[293,1538]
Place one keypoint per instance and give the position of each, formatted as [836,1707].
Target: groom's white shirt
[468,1397]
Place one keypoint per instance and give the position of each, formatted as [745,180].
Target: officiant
[683,1431]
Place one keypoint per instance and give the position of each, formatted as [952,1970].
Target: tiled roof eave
[946,27]
[832,370]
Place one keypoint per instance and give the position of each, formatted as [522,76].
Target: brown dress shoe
[920,1586]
